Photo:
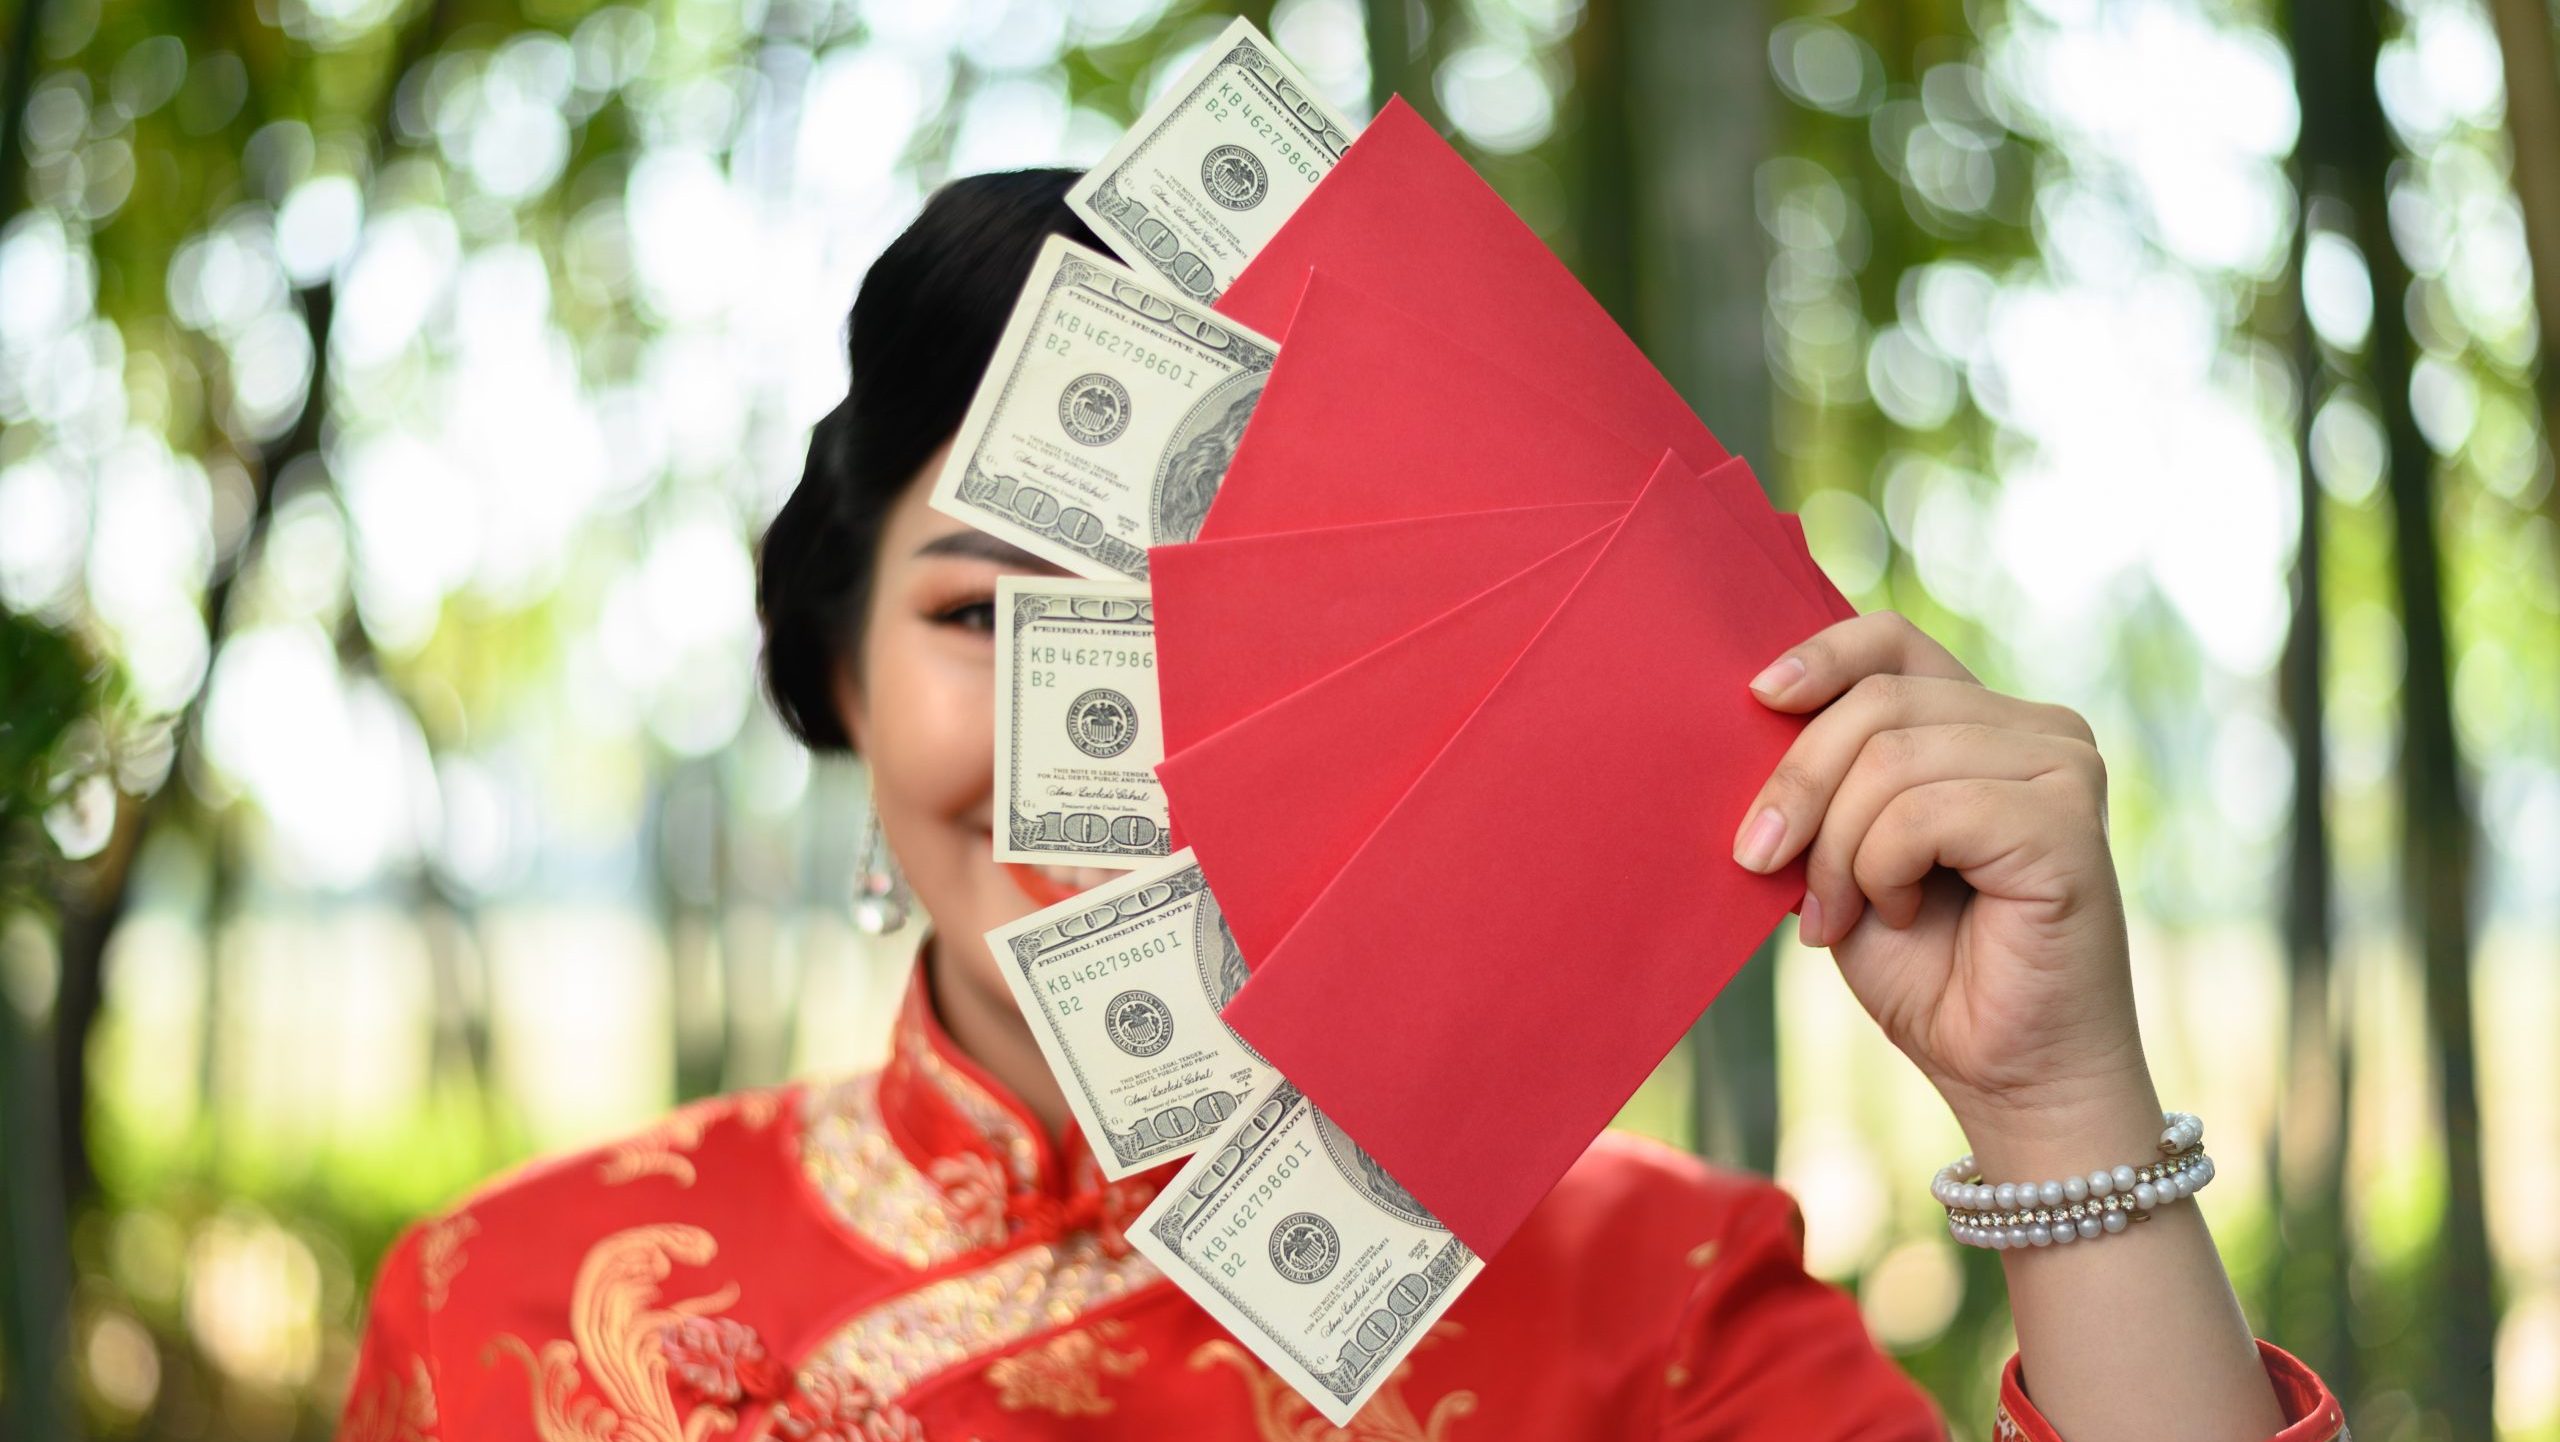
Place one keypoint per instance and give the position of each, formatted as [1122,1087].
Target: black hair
[922,330]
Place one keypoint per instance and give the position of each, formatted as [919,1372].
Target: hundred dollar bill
[1078,731]
[1106,419]
[1305,1249]
[1207,175]
[1123,984]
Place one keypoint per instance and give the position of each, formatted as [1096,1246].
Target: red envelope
[1372,415]
[1267,866]
[1404,217]
[1274,805]
[1556,891]
[1243,622]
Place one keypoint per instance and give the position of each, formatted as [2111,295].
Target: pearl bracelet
[2107,1200]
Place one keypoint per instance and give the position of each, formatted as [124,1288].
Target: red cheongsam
[903,1255]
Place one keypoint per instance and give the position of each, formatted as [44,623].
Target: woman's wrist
[2177,1337]
[2098,1126]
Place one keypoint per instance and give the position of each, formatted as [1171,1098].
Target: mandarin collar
[975,1141]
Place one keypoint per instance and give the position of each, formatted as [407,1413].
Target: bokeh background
[393,392]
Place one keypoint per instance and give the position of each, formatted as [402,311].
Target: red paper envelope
[1274,805]
[1372,415]
[1243,622]
[1404,217]
[1554,900]
[1227,793]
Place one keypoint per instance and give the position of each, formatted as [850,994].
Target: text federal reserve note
[1207,175]
[1123,984]
[1078,732]
[1305,1249]
[1106,419]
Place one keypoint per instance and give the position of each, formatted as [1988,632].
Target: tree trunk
[2307,1154]
[1402,37]
[2436,845]
[1695,120]
[2336,48]
[1601,178]
[2533,134]
[35,1272]
[35,1269]
[17,86]
[90,922]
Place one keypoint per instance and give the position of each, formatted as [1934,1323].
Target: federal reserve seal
[1234,177]
[1304,1247]
[1138,1023]
[1102,723]
[1094,408]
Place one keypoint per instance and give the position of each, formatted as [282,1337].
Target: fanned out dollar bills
[1122,985]
[1106,419]
[1208,174]
[1078,731]
[1288,1233]
[1108,416]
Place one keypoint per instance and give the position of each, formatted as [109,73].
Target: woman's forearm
[2135,1335]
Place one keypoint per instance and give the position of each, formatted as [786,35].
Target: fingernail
[1781,674]
[1760,846]
[1809,920]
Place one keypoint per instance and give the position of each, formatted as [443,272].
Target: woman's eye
[972,616]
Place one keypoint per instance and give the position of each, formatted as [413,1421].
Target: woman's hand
[1958,871]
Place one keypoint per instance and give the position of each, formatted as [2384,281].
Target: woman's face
[922,714]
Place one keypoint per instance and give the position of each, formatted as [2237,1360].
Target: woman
[929,1251]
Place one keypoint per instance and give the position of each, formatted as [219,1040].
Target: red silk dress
[903,1255]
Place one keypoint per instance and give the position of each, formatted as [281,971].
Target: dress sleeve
[2311,1414]
[392,1397]
[1766,1350]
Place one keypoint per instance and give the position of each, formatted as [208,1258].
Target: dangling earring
[880,893]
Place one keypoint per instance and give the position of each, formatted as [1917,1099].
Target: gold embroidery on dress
[615,1326]
[659,1150]
[390,1407]
[1284,1416]
[946,1323]
[869,1183]
[834,1409]
[440,1256]
[973,1190]
[989,1116]
[1064,1374]
[1703,1253]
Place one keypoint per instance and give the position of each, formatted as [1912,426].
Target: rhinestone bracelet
[2040,1214]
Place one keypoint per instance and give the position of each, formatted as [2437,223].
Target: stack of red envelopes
[1454,687]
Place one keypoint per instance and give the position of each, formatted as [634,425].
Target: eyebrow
[978,545]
